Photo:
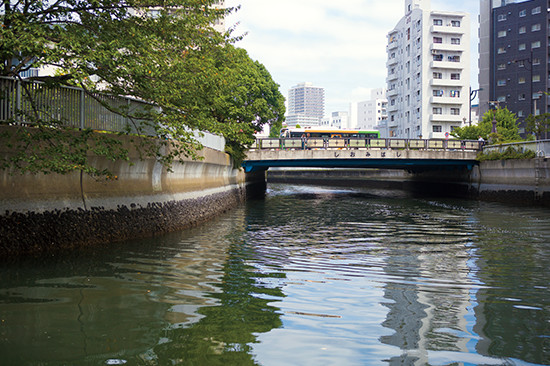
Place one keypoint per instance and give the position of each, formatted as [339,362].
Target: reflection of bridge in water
[409,154]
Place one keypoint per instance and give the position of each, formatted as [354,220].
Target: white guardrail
[365,143]
[540,147]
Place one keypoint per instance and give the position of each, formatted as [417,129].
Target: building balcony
[391,93]
[392,45]
[392,61]
[446,100]
[435,47]
[446,29]
[392,108]
[449,118]
[392,77]
[446,82]
[447,65]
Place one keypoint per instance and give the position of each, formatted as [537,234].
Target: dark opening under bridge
[408,154]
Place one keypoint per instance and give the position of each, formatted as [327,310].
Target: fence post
[82,104]
[17,100]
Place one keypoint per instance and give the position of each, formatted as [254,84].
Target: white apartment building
[306,105]
[428,72]
[373,112]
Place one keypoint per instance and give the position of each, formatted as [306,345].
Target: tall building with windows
[513,57]
[428,72]
[372,113]
[306,105]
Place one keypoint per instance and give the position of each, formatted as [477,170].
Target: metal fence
[540,147]
[24,101]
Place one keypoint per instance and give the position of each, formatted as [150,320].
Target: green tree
[507,127]
[538,125]
[165,53]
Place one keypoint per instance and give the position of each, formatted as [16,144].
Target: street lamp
[473,95]
[493,106]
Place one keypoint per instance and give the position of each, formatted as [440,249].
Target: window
[501,34]
[438,57]
[438,110]
[521,47]
[438,93]
[501,17]
[455,76]
[536,78]
[455,111]
[536,61]
[438,40]
[455,23]
[455,40]
[454,93]
[454,58]
[438,21]
[436,128]
[501,67]
[501,50]
[536,10]
[501,99]
[520,114]
[521,80]
[501,82]
[535,44]
[438,75]
[522,30]
[523,13]
[521,96]
[535,27]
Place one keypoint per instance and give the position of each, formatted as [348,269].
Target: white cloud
[337,45]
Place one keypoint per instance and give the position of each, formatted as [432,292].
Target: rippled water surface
[308,276]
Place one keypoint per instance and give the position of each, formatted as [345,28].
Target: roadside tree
[538,125]
[507,127]
[165,53]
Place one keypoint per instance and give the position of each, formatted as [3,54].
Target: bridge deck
[359,158]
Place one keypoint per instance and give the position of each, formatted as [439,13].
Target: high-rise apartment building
[428,72]
[513,56]
[306,105]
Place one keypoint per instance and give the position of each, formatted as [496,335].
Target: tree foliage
[507,127]
[538,125]
[163,52]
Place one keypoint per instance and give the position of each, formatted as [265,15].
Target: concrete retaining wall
[44,212]
[515,181]
[525,182]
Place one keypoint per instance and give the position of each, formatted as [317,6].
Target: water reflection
[181,298]
[308,276]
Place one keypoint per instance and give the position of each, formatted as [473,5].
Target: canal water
[307,276]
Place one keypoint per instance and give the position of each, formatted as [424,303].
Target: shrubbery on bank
[509,153]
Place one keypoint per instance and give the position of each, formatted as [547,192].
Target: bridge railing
[365,143]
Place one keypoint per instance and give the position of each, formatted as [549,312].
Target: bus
[328,133]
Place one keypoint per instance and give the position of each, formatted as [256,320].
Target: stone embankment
[49,212]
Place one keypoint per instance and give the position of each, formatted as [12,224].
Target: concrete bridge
[408,154]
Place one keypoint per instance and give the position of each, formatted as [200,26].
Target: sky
[338,45]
